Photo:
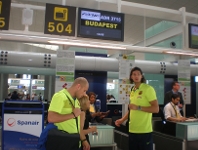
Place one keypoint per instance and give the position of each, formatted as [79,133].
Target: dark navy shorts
[142,141]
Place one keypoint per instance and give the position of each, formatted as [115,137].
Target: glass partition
[25,87]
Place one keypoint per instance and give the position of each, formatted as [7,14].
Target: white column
[119,5]
[64,2]
[184,39]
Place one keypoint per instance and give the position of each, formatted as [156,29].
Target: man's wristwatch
[139,108]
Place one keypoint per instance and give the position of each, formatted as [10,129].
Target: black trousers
[143,141]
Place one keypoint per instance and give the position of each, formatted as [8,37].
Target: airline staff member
[61,112]
[175,90]
[171,110]
[143,102]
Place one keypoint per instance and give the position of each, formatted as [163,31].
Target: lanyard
[76,118]
[176,113]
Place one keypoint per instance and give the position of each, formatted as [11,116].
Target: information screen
[193,36]
[100,24]
[4,14]
[60,20]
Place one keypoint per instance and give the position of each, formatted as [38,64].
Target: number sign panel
[60,20]
[4,14]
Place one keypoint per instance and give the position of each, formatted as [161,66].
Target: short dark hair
[174,82]
[174,96]
[143,80]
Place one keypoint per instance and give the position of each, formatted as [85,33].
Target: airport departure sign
[4,14]
[60,20]
[100,24]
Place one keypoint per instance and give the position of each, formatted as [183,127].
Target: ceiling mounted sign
[60,20]
[4,14]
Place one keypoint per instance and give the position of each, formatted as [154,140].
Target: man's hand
[118,122]
[85,145]
[106,113]
[180,105]
[133,106]
[77,111]
[102,116]
[181,119]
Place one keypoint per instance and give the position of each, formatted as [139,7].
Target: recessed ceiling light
[29,59]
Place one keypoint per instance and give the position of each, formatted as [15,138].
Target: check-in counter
[175,135]
[189,132]
[104,139]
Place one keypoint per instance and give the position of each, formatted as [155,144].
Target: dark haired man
[143,102]
[171,110]
[175,90]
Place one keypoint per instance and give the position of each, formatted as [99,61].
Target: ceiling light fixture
[95,45]
[187,53]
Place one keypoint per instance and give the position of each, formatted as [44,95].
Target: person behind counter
[95,113]
[172,111]
[143,102]
[85,117]
[62,113]
[175,90]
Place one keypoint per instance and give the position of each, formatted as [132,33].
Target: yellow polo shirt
[140,121]
[62,105]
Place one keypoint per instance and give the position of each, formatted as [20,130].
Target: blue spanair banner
[21,131]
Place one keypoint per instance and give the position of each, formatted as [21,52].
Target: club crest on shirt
[140,93]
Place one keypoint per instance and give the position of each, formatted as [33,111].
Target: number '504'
[59,27]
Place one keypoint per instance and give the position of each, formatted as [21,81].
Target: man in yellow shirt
[143,102]
[62,113]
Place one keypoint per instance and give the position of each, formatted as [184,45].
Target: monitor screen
[100,24]
[19,86]
[193,36]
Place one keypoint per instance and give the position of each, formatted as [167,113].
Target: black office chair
[161,113]
[163,120]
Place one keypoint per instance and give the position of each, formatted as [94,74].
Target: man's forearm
[125,117]
[150,109]
[54,117]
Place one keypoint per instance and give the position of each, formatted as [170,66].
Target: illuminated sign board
[4,14]
[193,36]
[100,24]
[60,20]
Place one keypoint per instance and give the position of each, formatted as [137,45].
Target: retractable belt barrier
[22,124]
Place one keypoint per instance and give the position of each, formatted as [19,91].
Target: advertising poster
[126,63]
[65,68]
[21,131]
[184,80]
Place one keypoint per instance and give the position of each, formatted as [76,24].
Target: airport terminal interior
[46,44]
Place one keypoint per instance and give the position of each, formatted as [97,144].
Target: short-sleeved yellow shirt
[140,121]
[62,105]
